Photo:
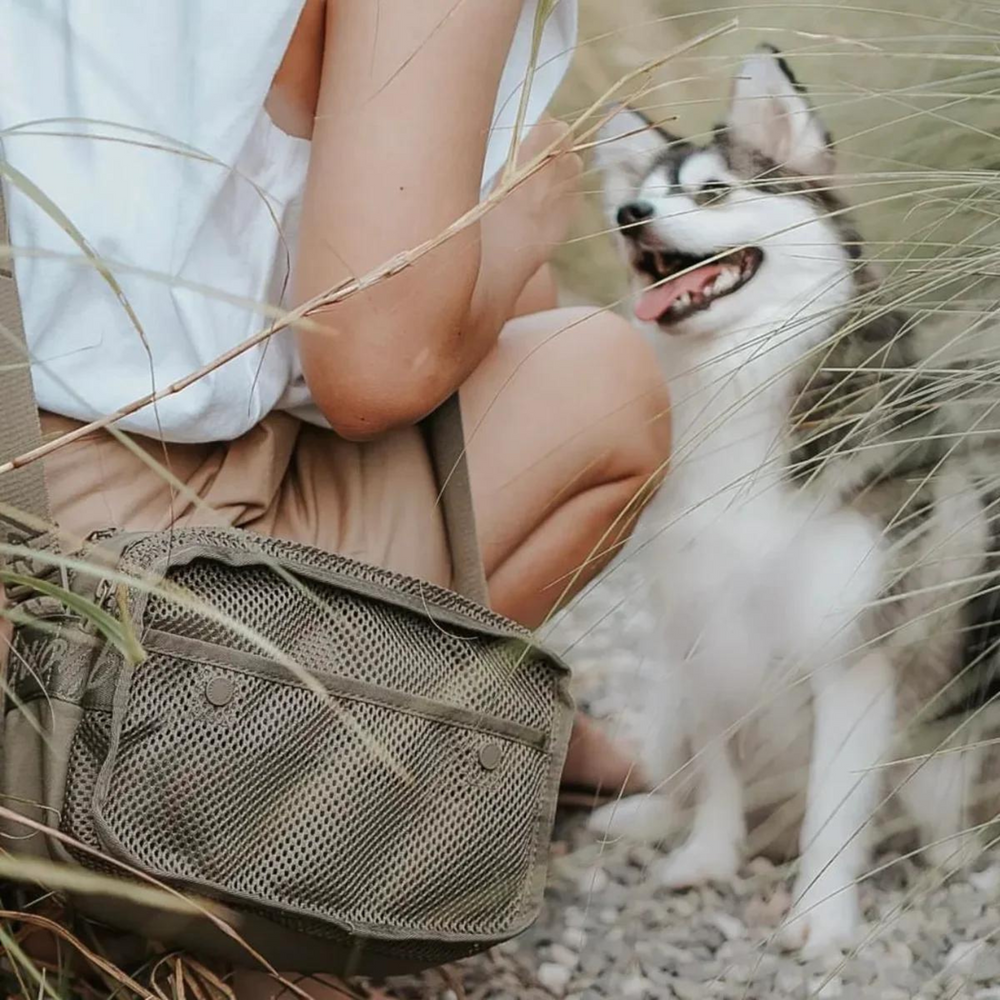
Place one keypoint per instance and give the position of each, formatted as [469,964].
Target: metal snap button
[490,756]
[219,691]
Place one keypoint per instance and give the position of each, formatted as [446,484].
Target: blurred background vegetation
[909,89]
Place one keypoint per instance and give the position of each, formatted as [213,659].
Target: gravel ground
[606,932]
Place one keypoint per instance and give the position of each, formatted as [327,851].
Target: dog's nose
[633,213]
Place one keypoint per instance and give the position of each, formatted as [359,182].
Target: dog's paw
[696,862]
[823,920]
[643,818]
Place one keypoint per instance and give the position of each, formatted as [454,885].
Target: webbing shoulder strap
[24,489]
[446,437]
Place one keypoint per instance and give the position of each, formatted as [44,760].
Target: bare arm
[406,99]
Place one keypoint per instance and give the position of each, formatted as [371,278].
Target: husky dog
[822,553]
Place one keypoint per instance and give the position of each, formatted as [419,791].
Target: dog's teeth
[683,302]
[726,281]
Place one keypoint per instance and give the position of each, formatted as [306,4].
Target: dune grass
[912,99]
[909,92]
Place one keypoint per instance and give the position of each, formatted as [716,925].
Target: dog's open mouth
[698,283]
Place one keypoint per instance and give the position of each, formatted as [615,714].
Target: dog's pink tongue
[657,300]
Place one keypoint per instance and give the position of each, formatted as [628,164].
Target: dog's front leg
[714,848]
[854,712]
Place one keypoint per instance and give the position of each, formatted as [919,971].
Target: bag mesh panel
[249,799]
[343,811]
[159,546]
[331,631]
[87,753]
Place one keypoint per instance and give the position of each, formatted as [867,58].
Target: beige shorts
[374,501]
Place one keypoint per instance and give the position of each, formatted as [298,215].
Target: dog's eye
[711,193]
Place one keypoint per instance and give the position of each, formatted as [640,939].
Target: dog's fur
[821,551]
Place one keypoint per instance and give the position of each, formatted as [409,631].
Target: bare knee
[569,427]
[631,406]
[623,402]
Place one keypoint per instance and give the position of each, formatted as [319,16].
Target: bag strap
[446,438]
[24,489]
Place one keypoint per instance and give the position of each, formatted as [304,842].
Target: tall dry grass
[911,96]
[908,89]
[911,92]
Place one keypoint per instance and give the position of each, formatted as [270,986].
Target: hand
[529,222]
[520,233]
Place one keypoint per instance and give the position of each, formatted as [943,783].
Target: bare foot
[594,763]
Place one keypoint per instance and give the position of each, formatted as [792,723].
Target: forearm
[402,369]
[394,164]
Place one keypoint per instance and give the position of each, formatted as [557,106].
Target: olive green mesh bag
[357,771]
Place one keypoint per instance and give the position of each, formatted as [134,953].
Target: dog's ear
[627,144]
[770,113]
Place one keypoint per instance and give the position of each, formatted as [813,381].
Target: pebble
[661,977]
[789,979]
[986,966]
[962,955]
[593,882]
[986,881]
[562,955]
[898,955]
[685,989]
[636,988]
[732,927]
[555,978]
[684,906]
[760,866]
[826,989]
[731,951]
[575,938]
[740,972]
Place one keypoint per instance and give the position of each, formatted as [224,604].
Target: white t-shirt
[144,124]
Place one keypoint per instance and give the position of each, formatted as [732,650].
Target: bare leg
[568,422]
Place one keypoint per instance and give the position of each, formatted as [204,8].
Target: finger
[546,133]
[570,168]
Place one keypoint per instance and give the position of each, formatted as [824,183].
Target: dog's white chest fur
[760,586]
[753,572]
